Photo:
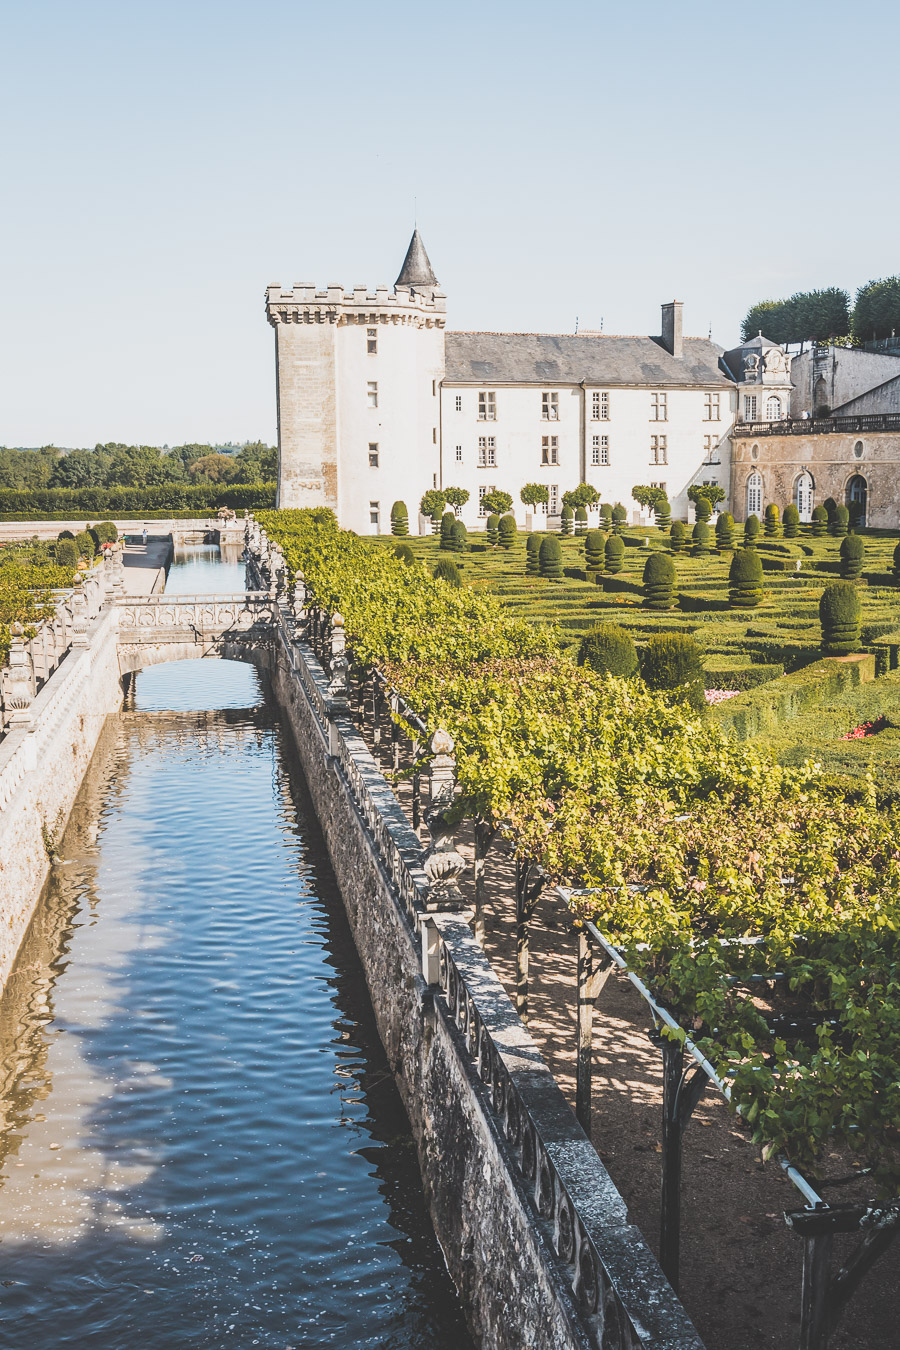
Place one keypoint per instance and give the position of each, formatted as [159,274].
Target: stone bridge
[154,629]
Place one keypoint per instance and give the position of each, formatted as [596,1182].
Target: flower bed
[866,729]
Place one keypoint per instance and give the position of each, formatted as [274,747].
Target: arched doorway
[754,494]
[803,495]
[857,499]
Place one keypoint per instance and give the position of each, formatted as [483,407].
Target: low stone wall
[535,1235]
[42,763]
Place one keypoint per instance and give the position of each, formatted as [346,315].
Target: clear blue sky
[162,162]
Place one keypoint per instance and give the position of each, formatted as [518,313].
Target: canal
[201,1143]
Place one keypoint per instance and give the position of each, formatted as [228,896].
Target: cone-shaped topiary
[773,522]
[608,649]
[673,662]
[840,522]
[702,508]
[663,513]
[490,529]
[745,579]
[66,553]
[614,554]
[448,520]
[506,531]
[819,521]
[659,581]
[853,552]
[460,537]
[678,536]
[830,507]
[567,515]
[839,616]
[751,531]
[532,554]
[594,544]
[619,517]
[550,558]
[725,532]
[404,553]
[399,520]
[581,521]
[606,515]
[897,565]
[791,521]
[701,539]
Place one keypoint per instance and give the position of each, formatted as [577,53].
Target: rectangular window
[749,407]
[487,452]
[659,407]
[374,514]
[711,409]
[550,407]
[487,406]
[600,406]
[711,449]
[459,454]
[459,402]
[373,454]
[553,504]
[372,393]
[483,490]
[658,451]
[549,449]
[599,449]
[372,341]
[661,486]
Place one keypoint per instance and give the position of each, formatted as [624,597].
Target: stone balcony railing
[817,426]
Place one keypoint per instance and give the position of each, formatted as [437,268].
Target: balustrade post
[376,725]
[298,607]
[443,864]
[431,951]
[339,685]
[416,786]
[79,617]
[18,681]
[395,733]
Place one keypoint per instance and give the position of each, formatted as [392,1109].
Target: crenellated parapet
[404,306]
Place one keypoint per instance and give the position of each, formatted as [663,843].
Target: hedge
[772,705]
[741,678]
[88,503]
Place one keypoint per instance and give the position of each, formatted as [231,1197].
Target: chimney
[671,328]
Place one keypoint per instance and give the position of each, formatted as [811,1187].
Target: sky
[163,162]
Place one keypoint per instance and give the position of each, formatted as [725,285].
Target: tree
[432,504]
[839,616]
[805,316]
[648,496]
[399,520]
[659,581]
[584,495]
[672,662]
[497,501]
[78,469]
[212,469]
[745,579]
[876,313]
[456,497]
[550,558]
[710,492]
[609,650]
[535,494]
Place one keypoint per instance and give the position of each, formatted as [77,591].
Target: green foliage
[460,537]
[805,316]
[581,520]
[65,534]
[446,570]
[819,521]
[85,543]
[745,579]
[90,502]
[791,521]
[609,650]
[399,520]
[702,508]
[491,527]
[647,496]
[853,552]
[535,494]
[506,531]
[606,515]
[876,313]
[663,513]
[497,501]
[614,554]
[725,532]
[68,553]
[532,554]
[550,558]
[678,536]
[840,522]
[565,520]
[405,554]
[673,662]
[751,531]
[584,495]
[773,522]
[659,581]
[701,538]
[896,567]
[448,520]
[433,503]
[839,614]
[594,544]
[619,517]
[705,497]
[28,575]
[830,506]
[456,497]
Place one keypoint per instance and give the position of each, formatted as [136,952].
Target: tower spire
[416,270]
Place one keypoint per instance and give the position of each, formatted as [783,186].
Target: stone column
[18,681]
[442,863]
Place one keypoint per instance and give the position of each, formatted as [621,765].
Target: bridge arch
[188,628]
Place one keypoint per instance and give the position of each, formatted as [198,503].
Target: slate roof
[549,358]
[416,269]
[734,359]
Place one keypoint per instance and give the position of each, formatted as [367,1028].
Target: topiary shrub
[659,581]
[108,532]
[839,617]
[532,555]
[751,531]
[67,553]
[773,522]
[830,507]
[614,554]
[567,515]
[853,552]
[490,529]
[460,537]
[702,508]
[506,531]
[594,544]
[608,649]
[745,579]
[447,570]
[678,536]
[701,538]
[674,663]
[550,558]
[663,513]
[404,553]
[791,521]
[399,520]
[606,515]
[897,565]
[65,534]
[619,517]
[581,520]
[725,532]
[840,522]
[448,520]
[84,541]
[819,521]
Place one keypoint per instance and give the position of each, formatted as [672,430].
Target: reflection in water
[200,1139]
[201,569]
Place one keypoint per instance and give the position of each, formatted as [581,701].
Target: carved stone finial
[442,743]
[443,863]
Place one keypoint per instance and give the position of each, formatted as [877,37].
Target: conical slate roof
[416,269]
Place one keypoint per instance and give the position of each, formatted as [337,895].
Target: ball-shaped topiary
[619,517]
[614,554]
[663,512]
[791,521]
[67,553]
[659,581]
[532,555]
[448,520]
[491,527]
[594,544]
[751,531]
[405,554]
[674,663]
[745,579]
[550,558]
[567,515]
[701,539]
[84,541]
[506,531]
[840,522]
[702,508]
[839,616]
[773,522]
[399,520]
[678,536]
[460,537]
[725,532]
[819,521]
[609,650]
[447,570]
[107,531]
[853,552]
[65,534]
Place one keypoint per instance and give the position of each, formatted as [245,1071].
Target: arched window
[803,496]
[773,408]
[857,499]
[754,495]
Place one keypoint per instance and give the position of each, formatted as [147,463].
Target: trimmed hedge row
[771,706]
[72,503]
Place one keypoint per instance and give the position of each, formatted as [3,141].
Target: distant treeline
[138,466]
[815,316]
[94,503]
